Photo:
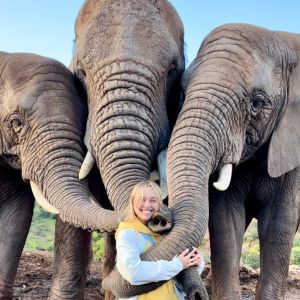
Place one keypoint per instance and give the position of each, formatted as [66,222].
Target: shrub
[295,258]
[41,234]
[98,245]
[251,236]
[250,257]
[296,242]
[40,213]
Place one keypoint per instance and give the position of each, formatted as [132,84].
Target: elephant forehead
[262,73]
[127,28]
[266,75]
[16,96]
[7,96]
[113,11]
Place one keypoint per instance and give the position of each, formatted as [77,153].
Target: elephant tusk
[154,176]
[161,162]
[87,165]
[224,178]
[41,200]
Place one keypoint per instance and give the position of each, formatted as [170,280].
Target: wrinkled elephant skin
[242,107]
[42,122]
[129,57]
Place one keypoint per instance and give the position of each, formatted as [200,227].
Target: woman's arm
[138,272]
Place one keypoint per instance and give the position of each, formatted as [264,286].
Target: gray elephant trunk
[56,171]
[195,151]
[188,201]
[126,130]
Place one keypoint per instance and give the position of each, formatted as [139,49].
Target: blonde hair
[137,193]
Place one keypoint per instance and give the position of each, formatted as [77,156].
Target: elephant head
[129,57]
[240,91]
[242,100]
[42,124]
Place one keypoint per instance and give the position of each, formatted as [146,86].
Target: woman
[133,237]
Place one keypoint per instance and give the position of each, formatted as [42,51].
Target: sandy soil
[34,279]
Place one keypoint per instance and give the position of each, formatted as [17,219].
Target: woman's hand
[190,258]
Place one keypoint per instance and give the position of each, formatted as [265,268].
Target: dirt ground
[34,279]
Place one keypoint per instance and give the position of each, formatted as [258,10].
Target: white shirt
[130,244]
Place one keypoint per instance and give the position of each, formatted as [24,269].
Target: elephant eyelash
[80,73]
[81,88]
[258,101]
[173,67]
[16,122]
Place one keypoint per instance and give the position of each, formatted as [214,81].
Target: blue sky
[46,27]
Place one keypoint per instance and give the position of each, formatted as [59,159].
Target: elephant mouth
[248,151]
[250,146]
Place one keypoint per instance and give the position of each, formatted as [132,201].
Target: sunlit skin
[144,207]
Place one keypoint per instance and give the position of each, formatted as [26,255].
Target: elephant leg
[72,255]
[108,259]
[277,226]
[16,208]
[98,190]
[226,229]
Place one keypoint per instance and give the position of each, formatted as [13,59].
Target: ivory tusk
[161,162]
[224,178]
[87,165]
[41,200]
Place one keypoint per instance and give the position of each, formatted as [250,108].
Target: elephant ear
[284,149]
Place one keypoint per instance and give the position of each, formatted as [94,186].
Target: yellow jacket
[132,239]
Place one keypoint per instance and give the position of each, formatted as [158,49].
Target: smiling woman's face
[146,205]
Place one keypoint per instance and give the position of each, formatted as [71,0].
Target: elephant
[234,154]
[129,57]
[41,150]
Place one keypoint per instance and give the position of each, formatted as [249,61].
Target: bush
[296,242]
[295,258]
[250,257]
[251,236]
[40,213]
[98,245]
[41,234]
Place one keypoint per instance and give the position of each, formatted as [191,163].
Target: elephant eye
[173,67]
[257,102]
[81,74]
[16,122]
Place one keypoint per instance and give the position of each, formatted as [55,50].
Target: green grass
[41,234]
[41,237]
[98,245]
[250,251]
